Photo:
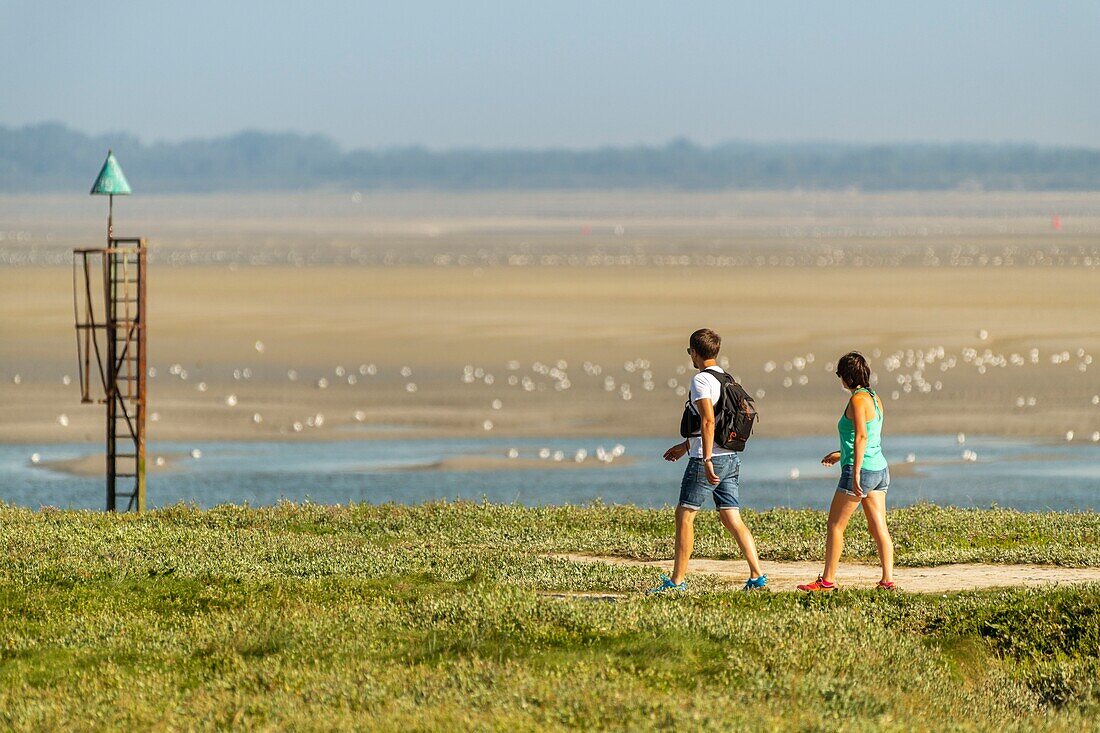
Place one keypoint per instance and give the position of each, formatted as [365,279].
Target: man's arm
[677,451]
[706,432]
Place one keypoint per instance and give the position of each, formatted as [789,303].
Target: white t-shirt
[704,386]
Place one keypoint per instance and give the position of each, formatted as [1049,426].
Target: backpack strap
[718,376]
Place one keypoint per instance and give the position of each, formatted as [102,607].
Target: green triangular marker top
[111,181]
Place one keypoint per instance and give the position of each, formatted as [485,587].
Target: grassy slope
[432,616]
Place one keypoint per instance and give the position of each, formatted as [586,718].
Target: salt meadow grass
[449,615]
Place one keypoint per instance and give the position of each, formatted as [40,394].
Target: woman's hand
[831,458]
[856,488]
[676,452]
[712,477]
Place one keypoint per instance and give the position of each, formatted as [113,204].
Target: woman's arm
[859,419]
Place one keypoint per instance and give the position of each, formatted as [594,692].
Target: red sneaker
[818,586]
[887,585]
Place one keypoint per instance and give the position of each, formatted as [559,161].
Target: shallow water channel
[775,472]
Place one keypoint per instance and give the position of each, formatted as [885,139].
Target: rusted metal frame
[130,323]
[131,243]
[114,398]
[89,327]
[93,327]
[126,416]
[111,387]
[128,351]
[131,332]
[83,366]
[135,338]
[142,334]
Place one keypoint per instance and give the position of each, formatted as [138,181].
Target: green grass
[437,617]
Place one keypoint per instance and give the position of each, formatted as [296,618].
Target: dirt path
[784,576]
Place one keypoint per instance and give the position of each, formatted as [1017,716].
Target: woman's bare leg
[839,513]
[874,508]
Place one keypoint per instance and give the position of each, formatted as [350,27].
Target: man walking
[710,468]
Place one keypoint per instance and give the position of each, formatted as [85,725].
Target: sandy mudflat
[495,463]
[436,322]
[95,465]
[614,327]
[785,576]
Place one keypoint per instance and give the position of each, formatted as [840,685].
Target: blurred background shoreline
[977,310]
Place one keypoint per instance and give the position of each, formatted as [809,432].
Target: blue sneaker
[760,583]
[667,586]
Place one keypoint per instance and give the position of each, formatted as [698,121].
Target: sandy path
[785,576]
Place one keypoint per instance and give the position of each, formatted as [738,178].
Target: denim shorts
[868,481]
[695,487]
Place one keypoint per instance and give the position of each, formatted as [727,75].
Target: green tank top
[873,460]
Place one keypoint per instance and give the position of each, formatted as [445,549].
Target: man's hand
[712,477]
[831,458]
[676,452]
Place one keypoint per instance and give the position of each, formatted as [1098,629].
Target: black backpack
[734,415]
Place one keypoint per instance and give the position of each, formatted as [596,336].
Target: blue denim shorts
[695,487]
[868,481]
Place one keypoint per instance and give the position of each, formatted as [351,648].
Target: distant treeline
[52,157]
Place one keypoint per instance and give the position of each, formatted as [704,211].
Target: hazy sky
[558,73]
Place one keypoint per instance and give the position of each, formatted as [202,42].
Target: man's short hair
[705,343]
[853,369]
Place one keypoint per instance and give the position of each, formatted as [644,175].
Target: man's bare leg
[685,540]
[731,520]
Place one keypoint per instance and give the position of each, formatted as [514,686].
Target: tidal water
[1021,474]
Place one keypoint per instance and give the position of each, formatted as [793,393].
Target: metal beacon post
[109,309]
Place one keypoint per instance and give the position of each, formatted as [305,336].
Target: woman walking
[864,474]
